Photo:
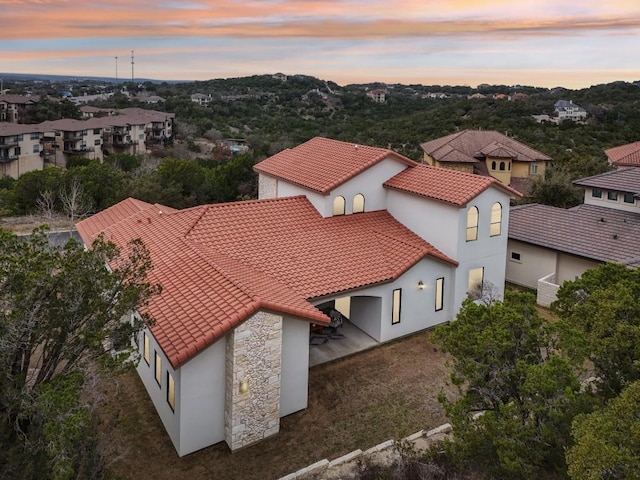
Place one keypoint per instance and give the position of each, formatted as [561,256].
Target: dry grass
[356,402]
[26,223]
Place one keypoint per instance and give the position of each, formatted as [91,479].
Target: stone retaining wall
[547,290]
[382,454]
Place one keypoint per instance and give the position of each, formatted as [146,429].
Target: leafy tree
[607,442]
[600,316]
[103,185]
[518,395]
[60,310]
[188,176]
[26,190]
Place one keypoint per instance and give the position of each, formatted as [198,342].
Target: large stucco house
[244,282]
[489,153]
[550,245]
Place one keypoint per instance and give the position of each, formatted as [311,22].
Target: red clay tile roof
[625,155]
[445,185]
[470,144]
[322,164]
[219,264]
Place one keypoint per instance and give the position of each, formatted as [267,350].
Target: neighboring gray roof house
[550,245]
[567,110]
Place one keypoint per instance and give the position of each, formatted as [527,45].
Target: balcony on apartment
[11,141]
[76,147]
[73,136]
[5,157]
[123,141]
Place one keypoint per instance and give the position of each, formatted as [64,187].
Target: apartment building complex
[24,148]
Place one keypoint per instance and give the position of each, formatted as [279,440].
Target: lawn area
[356,402]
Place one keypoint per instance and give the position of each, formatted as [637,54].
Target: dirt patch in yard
[356,402]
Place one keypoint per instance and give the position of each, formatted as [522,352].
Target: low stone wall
[382,454]
[547,290]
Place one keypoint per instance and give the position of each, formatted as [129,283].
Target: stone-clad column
[253,355]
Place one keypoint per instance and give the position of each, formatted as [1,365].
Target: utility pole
[116,70]
[132,66]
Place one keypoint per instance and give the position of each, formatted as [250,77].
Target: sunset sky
[573,43]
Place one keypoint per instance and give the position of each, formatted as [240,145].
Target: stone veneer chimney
[254,356]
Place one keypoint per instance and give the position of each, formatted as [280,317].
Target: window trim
[396,306]
[515,257]
[614,194]
[171,391]
[157,363]
[343,207]
[629,195]
[469,287]
[596,193]
[439,303]
[472,228]
[494,223]
[146,348]
[533,168]
[353,206]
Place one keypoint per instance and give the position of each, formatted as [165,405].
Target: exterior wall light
[421,285]
[244,386]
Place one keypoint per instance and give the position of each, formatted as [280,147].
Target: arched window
[338,205]
[472,224]
[493,165]
[502,166]
[496,219]
[358,203]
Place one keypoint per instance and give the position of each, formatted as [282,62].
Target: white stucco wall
[603,201]
[285,189]
[202,399]
[535,262]
[436,222]
[295,366]
[417,306]
[570,267]
[368,183]
[158,393]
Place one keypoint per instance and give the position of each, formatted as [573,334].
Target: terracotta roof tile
[218,264]
[322,164]
[445,185]
[625,155]
[470,144]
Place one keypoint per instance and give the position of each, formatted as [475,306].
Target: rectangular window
[96,131]
[145,353]
[596,193]
[533,169]
[171,392]
[20,137]
[158,367]
[395,309]
[36,148]
[476,278]
[612,196]
[515,256]
[629,198]
[35,136]
[439,293]
[97,141]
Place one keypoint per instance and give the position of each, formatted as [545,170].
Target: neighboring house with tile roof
[487,152]
[550,245]
[567,110]
[625,155]
[397,244]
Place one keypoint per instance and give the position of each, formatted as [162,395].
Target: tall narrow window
[395,309]
[496,219]
[171,391]
[358,203]
[146,354]
[472,224]
[502,166]
[533,168]
[158,367]
[476,278]
[338,205]
[493,165]
[439,293]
